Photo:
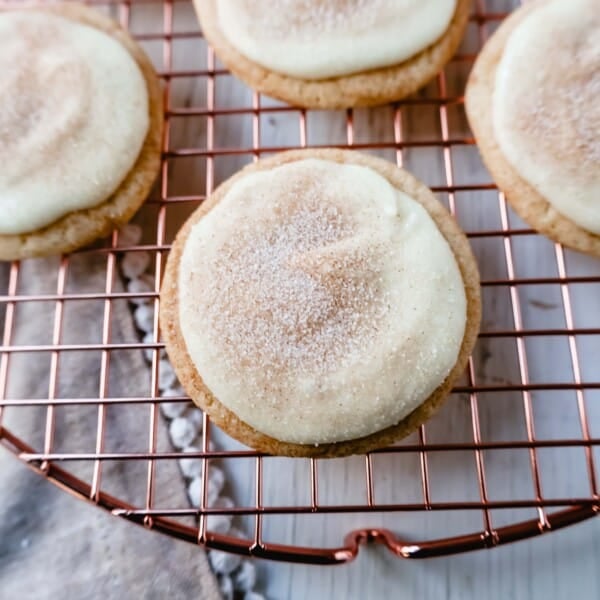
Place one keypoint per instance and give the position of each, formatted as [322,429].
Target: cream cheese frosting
[546,106]
[73,118]
[316,39]
[319,303]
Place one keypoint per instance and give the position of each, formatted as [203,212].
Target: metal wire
[54,464]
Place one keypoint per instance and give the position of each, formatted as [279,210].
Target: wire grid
[387,485]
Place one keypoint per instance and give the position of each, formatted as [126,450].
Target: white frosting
[319,303]
[546,106]
[315,40]
[73,118]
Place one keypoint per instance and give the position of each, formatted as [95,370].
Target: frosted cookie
[339,54]
[320,303]
[533,103]
[80,128]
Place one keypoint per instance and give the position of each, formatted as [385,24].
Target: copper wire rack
[512,454]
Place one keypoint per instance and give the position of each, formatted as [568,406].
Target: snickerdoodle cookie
[533,103]
[320,303]
[80,128]
[338,54]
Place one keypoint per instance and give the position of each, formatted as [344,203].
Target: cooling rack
[512,454]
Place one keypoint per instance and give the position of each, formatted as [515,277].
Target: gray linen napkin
[51,545]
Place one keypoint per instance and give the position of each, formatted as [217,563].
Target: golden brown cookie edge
[525,200]
[79,228]
[226,419]
[369,88]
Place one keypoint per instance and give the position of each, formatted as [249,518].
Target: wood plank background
[554,566]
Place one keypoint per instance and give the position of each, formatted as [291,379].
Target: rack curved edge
[317,556]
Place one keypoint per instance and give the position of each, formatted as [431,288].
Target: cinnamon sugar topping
[40,91]
[564,107]
[295,298]
[310,18]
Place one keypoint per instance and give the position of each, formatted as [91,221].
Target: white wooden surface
[551,567]
[555,566]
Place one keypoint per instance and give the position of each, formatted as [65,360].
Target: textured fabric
[51,545]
